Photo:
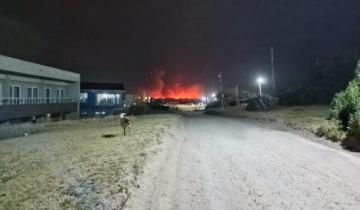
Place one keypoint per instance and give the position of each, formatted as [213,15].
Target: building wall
[1,88]
[2,84]
[25,74]
[25,82]
[12,112]
[91,107]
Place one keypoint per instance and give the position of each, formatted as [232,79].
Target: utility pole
[221,87]
[237,95]
[273,69]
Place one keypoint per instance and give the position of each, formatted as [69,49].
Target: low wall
[12,112]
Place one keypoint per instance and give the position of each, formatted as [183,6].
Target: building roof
[101,86]
[21,67]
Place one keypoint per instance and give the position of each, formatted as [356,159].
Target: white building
[29,90]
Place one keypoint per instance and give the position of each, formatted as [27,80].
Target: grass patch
[331,131]
[298,117]
[69,165]
[309,118]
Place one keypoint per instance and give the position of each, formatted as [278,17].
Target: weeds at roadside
[331,131]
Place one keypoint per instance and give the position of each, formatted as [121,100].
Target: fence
[22,101]
[242,103]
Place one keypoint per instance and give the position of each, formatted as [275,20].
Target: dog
[125,122]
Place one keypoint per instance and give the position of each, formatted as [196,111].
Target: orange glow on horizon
[160,88]
[178,91]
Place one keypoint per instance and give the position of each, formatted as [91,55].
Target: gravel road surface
[218,163]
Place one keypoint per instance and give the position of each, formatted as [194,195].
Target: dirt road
[219,163]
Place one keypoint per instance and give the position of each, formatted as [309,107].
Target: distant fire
[160,87]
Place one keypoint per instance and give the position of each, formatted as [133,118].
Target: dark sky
[123,41]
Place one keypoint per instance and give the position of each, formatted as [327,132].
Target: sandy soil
[69,165]
[219,163]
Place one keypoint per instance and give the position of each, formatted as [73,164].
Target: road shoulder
[281,125]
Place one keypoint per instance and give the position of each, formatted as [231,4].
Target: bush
[351,143]
[148,108]
[261,103]
[345,107]
[213,105]
[331,132]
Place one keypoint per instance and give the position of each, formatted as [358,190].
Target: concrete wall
[11,112]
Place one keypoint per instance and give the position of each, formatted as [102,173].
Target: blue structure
[98,99]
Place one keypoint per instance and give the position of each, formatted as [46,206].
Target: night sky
[123,41]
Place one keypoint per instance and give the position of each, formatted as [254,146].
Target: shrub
[351,143]
[213,105]
[142,108]
[331,131]
[261,103]
[345,107]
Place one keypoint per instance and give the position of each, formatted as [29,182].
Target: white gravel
[219,163]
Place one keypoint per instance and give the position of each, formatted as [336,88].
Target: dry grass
[71,165]
[309,118]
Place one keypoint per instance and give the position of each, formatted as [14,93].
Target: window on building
[60,93]
[83,98]
[14,91]
[29,99]
[35,92]
[105,99]
[29,92]
[32,94]
[47,95]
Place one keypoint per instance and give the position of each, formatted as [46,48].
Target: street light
[203,99]
[260,81]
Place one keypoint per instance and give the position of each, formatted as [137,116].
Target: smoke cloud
[162,85]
